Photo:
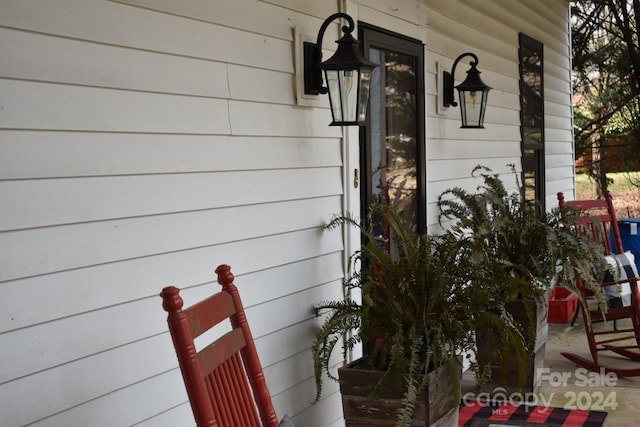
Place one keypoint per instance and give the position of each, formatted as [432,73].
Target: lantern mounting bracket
[448,80]
[313,55]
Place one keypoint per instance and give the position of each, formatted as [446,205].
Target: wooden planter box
[563,305]
[506,373]
[433,408]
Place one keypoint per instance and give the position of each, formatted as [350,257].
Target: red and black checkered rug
[485,414]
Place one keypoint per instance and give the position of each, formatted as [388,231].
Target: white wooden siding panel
[445,50]
[166,390]
[563,147]
[248,118]
[74,338]
[406,10]
[124,365]
[252,84]
[440,150]
[326,413]
[64,201]
[158,393]
[248,15]
[555,122]
[118,24]
[453,10]
[277,282]
[39,57]
[321,414]
[558,93]
[558,162]
[290,309]
[456,36]
[296,368]
[126,326]
[471,184]
[35,154]
[74,383]
[292,341]
[408,20]
[175,416]
[320,9]
[529,19]
[560,174]
[290,380]
[29,105]
[553,136]
[437,187]
[502,116]
[557,67]
[445,171]
[554,174]
[47,250]
[560,110]
[86,289]
[566,185]
[449,128]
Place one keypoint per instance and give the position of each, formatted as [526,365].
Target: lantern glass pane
[363,96]
[333,85]
[348,80]
[483,108]
[472,107]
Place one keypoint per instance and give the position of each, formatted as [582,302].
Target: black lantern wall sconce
[347,74]
[472,93]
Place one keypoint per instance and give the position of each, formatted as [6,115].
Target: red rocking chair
[598,218]
[224,381]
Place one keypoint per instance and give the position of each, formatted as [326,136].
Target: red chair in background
[224,381]
[597,218]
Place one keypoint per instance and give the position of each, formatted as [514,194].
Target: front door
[392,145]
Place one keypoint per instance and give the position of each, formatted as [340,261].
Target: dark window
[532,118]
[392,143]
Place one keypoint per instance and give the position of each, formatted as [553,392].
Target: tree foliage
[606,66]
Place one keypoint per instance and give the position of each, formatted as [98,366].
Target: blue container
[630,234]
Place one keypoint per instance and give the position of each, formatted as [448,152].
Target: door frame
[373,36]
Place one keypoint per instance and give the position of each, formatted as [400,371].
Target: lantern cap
[473,81]
[347,56]
[348,74]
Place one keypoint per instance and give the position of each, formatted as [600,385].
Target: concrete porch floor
[567,385]
[623,393]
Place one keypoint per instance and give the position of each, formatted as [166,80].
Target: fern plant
[516,250]
[417,307]
[424,296]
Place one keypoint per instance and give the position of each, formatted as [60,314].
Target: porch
[565,384]
[619,397]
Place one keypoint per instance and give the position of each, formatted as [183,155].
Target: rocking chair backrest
[597,218]
[224,381]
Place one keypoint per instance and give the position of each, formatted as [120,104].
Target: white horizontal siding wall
[490,28]
[141,144]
